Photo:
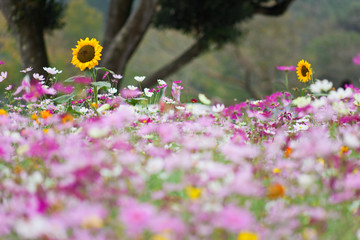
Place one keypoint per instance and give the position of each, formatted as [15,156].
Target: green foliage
[215,20]
[47,13]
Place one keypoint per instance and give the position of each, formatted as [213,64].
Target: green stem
[286,81]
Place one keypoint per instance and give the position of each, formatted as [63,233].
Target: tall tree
[28,20]
[212,23]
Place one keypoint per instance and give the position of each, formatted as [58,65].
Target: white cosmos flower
[300,127]
[204,99]
[83,110]
[139,78]
[132,87]
[112,90]
[161,82]
[52,71]
[38,77]
[117,76]
[321,86]
[301,102]
[340,94]
[3,76]
[218,108]
[148,93]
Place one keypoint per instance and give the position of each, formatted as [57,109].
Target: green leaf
[104,69]
[101,84]
[64,98]
[71,79]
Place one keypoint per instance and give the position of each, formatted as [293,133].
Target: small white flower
[117,76]
[112,90]
[306,180]
[300,127]
[139,78]
[148,93]
[52,71]
[168,100]
[3,76]
[161,82]
[341,108]
[340,94]
[132,87]
[318,103]
[97,132]
[301,102]
[357,99]
[218,108]
[38,77]
[321,86]
[351,140]
[154,165]
[9,87]
[29,69]
[204,99]
[83,110]
[181,108]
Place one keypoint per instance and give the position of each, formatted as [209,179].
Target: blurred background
[326,33]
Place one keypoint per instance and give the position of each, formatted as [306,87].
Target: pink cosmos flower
[2,63]
[63,89]
[356,59]
[234,219]
[3,76]
[286,68]
[136,216]
[82,80]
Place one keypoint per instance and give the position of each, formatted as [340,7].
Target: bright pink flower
[63,89]
[356,59]
[286,68]
[82,80]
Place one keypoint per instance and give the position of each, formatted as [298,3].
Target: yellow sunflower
[304,71]
[86,54]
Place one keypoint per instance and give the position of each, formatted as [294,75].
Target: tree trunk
[31,42]
[30,39]
[128,38]
[118,13]
[194,51]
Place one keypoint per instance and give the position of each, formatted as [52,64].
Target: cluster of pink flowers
[277,168]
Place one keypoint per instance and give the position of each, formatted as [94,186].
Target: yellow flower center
[92,222]
[193,192]
[86,54]
[247,236]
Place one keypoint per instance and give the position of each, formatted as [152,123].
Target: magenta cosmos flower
[356,59]
[286,68]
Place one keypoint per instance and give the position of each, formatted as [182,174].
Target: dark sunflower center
[86,53]
[304,71]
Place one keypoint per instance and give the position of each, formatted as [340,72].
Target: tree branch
[274,10]
[128,38]
[118,13]
[194,51]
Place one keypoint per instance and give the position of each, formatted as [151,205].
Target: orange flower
[67,118]
[343,150]
[45,114]
[275,190]
[288,151]
[3,112]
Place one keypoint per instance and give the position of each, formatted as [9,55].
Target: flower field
[94,164]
